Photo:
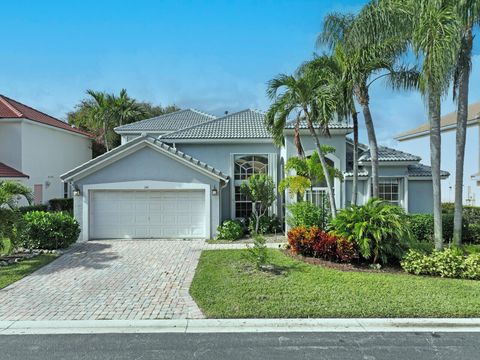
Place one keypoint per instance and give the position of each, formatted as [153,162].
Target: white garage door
[147,214]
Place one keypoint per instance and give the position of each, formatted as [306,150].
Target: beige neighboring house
[36,148]
[417,141]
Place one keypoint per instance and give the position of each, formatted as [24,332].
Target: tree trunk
[434,110]
[364,100]
[323,162]
[461,135]
[296,139]
[355,158]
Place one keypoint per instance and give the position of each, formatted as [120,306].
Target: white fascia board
[343,131]
[442,129]
[130,148]
[216,141]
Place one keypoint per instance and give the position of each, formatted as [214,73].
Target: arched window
[247,165]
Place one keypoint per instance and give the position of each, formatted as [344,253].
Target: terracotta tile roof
[446,122]
[10,108]
[9,172]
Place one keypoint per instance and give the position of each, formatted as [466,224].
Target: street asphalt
[243,346]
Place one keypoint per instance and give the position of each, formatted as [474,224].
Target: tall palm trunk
[434,110]
[461,136]
[364,100]
[323,162]
[355,158]
[296,139]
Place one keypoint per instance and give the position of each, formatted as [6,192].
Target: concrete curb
[237,326]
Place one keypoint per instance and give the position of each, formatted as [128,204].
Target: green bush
[422,227]
[10,224]
[268,225]
[28,208]
[450,263]
[474,233]
[379,229]
[230,230]
[304,213]
[61,204]
[49,230]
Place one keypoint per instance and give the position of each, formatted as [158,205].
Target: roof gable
[11,109]
[245,124]
[9,172]
[168,122]
[132,146]
[446,122]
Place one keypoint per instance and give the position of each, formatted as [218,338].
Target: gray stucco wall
[219,155]
[420,199]
[149,164]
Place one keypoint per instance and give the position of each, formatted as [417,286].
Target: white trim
[405,193]
[130,148]
[336,131]
[217,141]
[142,185]
[445,128]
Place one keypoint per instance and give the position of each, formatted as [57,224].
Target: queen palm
[468,12]
[309,97]
[363,64]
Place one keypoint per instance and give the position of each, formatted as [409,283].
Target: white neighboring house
[36,149]
[417,141]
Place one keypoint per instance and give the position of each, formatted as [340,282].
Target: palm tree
[310,97]
[101,114]
[125,109]
[10,191]
[469,14]
[364,63]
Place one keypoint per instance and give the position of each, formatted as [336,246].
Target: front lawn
[11,273]
[225,287]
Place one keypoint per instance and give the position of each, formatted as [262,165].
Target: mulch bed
[341,266]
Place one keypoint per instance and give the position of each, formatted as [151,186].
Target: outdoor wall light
[214,191]
[76,192]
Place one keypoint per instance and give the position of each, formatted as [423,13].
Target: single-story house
[166,181]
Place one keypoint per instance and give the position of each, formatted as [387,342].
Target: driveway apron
[109,279]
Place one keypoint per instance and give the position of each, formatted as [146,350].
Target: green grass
[11,273]
[224,288]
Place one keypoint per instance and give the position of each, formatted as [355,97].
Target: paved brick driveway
[115,279]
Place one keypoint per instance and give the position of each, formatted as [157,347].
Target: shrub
[10,225]
[449,263]
[474,232]
[379,230]
[315,242]
[47,230]
[304,213]
[230,230]
[268,225]
[421,226]
[28,208]
[61,204]
[258,253]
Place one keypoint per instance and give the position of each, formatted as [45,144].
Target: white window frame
[271,171]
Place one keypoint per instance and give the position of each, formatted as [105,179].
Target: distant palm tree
[101,113]
[310,97]
[126,110]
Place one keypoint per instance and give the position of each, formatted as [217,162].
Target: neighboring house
[36,149]
[417,140]
[184,183]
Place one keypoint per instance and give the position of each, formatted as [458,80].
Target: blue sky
[210,55]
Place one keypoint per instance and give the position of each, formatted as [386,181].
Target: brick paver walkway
[112,279]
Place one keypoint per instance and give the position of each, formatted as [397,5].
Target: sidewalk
[238,326]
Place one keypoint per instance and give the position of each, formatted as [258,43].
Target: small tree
[260,190]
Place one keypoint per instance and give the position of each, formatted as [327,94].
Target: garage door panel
[147,214]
